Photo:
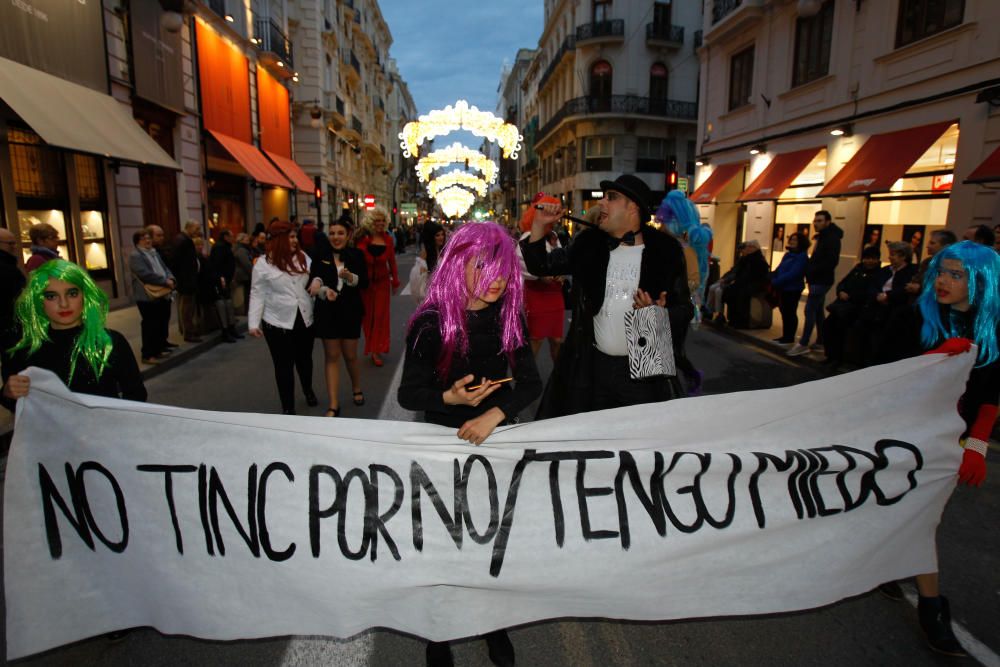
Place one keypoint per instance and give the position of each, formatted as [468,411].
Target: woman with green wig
[61,314]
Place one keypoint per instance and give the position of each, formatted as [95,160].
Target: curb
[180,356]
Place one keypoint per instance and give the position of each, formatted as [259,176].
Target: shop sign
[942,183]
[65,39]
[682,184]
[156,57]
[369,202]
[408,208]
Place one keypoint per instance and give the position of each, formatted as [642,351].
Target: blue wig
[679,215]
[983,267]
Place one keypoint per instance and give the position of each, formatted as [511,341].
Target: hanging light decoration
[455,201]
[456,153]
[457,177]
[460,117]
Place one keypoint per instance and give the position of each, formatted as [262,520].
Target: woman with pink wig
[463,346]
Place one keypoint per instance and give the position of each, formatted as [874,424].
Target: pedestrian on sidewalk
[281,311]
[243,256]
[152,289]
[749,281]
[12,281]
[44,245]
[819,276]
[342,275]
[160,246]
[858,288]
[470,331]
[789,280]
[61,314]
[223,263]
[184,266]
[383,281]
[622,265]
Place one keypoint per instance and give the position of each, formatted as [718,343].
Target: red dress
[382,278]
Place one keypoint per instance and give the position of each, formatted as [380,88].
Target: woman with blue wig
[959,306]
[61,314]
[463,345]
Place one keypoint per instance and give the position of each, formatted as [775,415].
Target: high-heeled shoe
[332,412]
[377,360]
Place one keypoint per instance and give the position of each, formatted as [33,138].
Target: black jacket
[898,296]
[349,298]
[12,281]
[663,269]
[825,257]
[861,284]
[223,261]
[184,264]
[751,274]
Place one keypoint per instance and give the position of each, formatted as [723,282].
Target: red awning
[715,183]
[252,160]
[883,160]
[778,175]
[988,171]
[293,171]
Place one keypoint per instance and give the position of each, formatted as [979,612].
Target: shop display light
[460,117]
[457,177]
[456,153]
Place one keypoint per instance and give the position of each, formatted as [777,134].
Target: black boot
[311,399]
[439,654]
[935,621]
[501,649]
[234,333]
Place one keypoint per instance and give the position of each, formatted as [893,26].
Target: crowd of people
[489,298]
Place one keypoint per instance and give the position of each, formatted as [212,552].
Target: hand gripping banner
[227,526]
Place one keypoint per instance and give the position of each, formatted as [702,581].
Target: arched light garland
[455,200]
[457,177]
[456,153]
[460,117]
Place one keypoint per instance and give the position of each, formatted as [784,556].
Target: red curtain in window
[272,106]
[225,85]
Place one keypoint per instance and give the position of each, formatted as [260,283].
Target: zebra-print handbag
[650,343]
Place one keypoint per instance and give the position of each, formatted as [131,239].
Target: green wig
[93,341]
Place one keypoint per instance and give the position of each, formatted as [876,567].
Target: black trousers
[291,350]
[614,388]
[789,309]
[154,319]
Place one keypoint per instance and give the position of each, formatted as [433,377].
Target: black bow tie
[627,239]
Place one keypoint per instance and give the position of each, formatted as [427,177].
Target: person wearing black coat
[585,377]
[223,262]
[819,276]
[12,281]
[342,273]
[854,292]
[889,301]
[750,278]
[184,265]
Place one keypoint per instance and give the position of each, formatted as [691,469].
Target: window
[598,152]
[813,36]
[740,78]
[651,154]
[600,86]
[661,16]
[601,10]
[658,80]
[922,18]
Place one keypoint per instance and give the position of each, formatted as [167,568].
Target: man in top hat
[623,263]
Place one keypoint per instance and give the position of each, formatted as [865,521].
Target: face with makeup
[493,292]
[63,303]
[952,284]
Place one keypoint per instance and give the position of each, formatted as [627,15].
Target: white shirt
[619,295]
[276,297]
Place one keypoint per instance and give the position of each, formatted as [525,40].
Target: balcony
[664,34]
[568,45]
[613,30]
[271,40]
[335,107]
[379,108]
[352,66]
[723,8]
[356,125]
[734,17]
[622,105]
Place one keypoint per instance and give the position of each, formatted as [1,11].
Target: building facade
[885,114]
[614,89]
[508,192]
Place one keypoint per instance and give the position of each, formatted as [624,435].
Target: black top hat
[635,189]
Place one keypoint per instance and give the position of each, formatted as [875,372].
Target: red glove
[952,346]
[973,468]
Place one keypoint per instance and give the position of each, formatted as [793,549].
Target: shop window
[93,223]
[923,18]
[813,36]
[658,82]
[600,86]
[740,78]
[38,169]
[651,154]
[598,153]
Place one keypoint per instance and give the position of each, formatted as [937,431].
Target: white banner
[228,525]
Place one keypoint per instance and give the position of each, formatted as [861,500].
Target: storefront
[716,200]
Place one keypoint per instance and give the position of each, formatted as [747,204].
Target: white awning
[71,116]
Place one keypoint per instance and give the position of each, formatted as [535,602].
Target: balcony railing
[272,39]
[356,125]
[664,32]
[621,104]
[601,29]
[722,8]
[568,44]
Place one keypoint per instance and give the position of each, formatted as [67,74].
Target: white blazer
[276,296]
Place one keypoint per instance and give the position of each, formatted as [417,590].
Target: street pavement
[865,630]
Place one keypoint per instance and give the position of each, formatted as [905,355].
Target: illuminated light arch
[460,117]
[457,177]
[455,200]
[440,159]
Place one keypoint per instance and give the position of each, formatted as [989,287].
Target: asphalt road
[866,630]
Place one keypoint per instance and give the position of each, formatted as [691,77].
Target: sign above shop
[369,202]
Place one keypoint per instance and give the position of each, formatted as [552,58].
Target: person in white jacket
[281,310]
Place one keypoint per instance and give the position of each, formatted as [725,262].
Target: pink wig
[491,248]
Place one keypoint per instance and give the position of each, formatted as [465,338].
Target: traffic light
[318,190]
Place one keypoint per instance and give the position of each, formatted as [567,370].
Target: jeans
[815,304]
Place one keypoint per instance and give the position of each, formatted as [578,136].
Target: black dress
[120,379]
[340,319]
[421,388]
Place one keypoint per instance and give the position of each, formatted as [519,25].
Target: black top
[223,260]
[421,388]
[348,303]
[184,264]
[826,255]
[12,281]
[861,284]
[121,377]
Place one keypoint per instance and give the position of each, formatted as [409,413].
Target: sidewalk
[126,321]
